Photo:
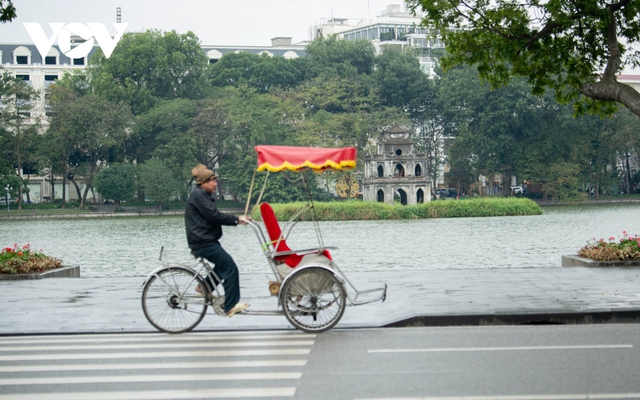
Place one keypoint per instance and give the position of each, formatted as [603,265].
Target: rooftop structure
[394,26]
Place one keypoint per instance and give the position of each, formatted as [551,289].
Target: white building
[394,26]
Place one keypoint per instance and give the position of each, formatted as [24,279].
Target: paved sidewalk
[441,297]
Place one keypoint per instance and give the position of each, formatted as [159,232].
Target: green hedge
[358,210]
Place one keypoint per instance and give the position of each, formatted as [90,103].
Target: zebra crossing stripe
[149,337]
[159,345]
[150,378]
[159,395]
[190,354]
[151,366]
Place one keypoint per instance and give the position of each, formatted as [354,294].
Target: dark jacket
[202,219]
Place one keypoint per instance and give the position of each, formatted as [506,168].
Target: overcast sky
[215,22]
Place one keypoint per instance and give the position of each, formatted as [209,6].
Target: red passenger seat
[275,233]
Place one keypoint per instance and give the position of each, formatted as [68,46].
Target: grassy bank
[357,210]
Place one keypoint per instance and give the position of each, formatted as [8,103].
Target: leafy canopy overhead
[573,47]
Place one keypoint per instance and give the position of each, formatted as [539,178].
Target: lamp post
[8,188]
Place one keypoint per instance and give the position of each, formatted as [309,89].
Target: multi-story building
[394,26]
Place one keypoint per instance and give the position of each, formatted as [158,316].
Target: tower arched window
[399,170]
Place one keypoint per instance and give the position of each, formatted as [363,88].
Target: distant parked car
[3,201]
[447,193]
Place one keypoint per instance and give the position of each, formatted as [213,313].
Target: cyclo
[310,288]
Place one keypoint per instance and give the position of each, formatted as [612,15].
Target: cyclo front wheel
[313,300]
[169,300]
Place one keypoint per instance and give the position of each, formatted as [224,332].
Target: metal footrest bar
[261,312]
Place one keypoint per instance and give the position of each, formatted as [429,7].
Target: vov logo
[89,32]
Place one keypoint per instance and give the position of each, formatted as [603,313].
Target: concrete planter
[575,261]
[63,272]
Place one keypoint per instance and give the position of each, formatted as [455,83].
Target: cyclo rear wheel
[169,301]
[313,299]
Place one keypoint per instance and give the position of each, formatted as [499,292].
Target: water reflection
[130,246]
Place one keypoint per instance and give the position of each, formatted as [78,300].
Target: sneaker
[237,308]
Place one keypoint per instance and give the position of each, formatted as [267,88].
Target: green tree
[574,48]
[507,130]
[7,11]
[260,72]
[96,126]
[116,182]
[399,79]
[18,125]
[148,67]
[205,141]
[158,182]
[159,126]
[339,58]
[57,145]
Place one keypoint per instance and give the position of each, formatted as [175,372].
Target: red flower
[19,254]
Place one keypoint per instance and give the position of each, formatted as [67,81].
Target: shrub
[358,210]
[23,260]
[626,248]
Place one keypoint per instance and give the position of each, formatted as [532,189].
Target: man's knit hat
[202,174]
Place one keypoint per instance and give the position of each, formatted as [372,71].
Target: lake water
[130,246]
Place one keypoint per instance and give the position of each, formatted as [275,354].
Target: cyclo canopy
[278,158]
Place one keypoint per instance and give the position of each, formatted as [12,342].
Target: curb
[575,261]
[64,272]
[552,318]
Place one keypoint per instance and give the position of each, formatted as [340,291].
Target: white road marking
[512,348]
[169,355]
[187,337]
[159,395]
[160,345]
[190,354]
[172,365]
[150,378]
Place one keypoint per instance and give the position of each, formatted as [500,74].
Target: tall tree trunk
[53,185]
[78,191]
[89,182]
[64,186]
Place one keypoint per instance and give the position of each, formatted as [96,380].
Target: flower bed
[23,260]
[626,248]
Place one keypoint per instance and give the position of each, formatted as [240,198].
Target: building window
[213,61]
[78,61]
[398,152]
[418,171]
[380,171]
[23,77]
[51,60]
[49,79]
[380,196]
[24,60]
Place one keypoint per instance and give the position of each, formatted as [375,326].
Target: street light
[8,188]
